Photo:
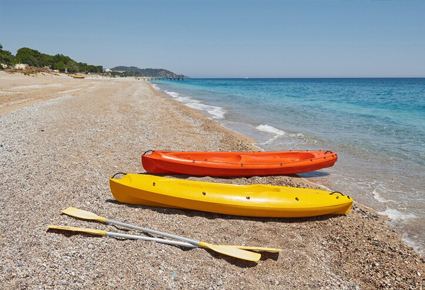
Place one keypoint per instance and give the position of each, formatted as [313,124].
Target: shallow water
[377,126]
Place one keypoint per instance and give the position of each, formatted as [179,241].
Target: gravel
[60,149]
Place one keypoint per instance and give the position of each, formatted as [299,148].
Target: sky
[233,38]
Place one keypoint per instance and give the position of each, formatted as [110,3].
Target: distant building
[21,66]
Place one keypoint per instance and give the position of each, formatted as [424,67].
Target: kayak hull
[240,200]
[237,164]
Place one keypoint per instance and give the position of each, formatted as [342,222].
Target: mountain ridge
[147,72]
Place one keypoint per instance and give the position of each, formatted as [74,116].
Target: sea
[376,125]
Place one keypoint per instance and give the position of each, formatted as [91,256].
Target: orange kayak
[231,164]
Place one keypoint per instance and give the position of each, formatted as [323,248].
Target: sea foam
[379,197]
[155,86]
[270,129]
[276,132]
[396,215]
[215,111]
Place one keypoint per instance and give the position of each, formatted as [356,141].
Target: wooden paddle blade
[79,230]
[232,252]
[259,249]
[82,214]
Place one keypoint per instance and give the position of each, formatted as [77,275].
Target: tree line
[35,58]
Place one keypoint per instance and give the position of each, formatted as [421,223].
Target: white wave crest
[270,129]
[215,111]
[156,87]
[172,94]
[379,197]
[396,215]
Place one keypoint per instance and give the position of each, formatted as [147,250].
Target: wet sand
[62,138]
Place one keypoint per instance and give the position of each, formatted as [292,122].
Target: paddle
[229,251]
[82,214]
[119,235]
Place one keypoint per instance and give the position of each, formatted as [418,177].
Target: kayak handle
[118,173]
[148,152]
[336,192]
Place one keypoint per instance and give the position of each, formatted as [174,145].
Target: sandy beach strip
[62,138]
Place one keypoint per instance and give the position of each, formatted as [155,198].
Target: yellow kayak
[241,200]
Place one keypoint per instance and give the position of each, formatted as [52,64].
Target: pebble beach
[62,138]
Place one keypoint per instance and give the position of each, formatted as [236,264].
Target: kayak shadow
[313,174]
[310,174]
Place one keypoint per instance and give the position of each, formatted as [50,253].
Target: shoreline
[59,152]
[373,180]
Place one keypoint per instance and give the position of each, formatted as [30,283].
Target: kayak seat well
[230,159]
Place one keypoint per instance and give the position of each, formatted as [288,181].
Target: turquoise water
[377,126]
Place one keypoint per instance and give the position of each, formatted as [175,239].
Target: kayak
[240,200]
[231,164]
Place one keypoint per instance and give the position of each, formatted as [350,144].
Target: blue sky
[227,38]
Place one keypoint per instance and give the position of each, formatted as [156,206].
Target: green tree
[82,67]
[35,58]
[72,66]
[28,56]
[61,58]
[6,57]
[60,66]
[46,60]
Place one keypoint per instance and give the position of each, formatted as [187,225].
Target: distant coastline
[33,61]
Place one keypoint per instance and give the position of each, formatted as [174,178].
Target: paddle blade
[79,230]
[259,249]
[82,214]
[232,252]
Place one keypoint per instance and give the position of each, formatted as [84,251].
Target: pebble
[62,167]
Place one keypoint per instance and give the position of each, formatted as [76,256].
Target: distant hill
[147,72]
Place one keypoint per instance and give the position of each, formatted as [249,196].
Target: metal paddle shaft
[233,252]
[83,214]
[190,241]
[225,250]
[163,241]
[119,235]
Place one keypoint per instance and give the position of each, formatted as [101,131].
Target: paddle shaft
[168,242]
[226,250]
[190,241]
